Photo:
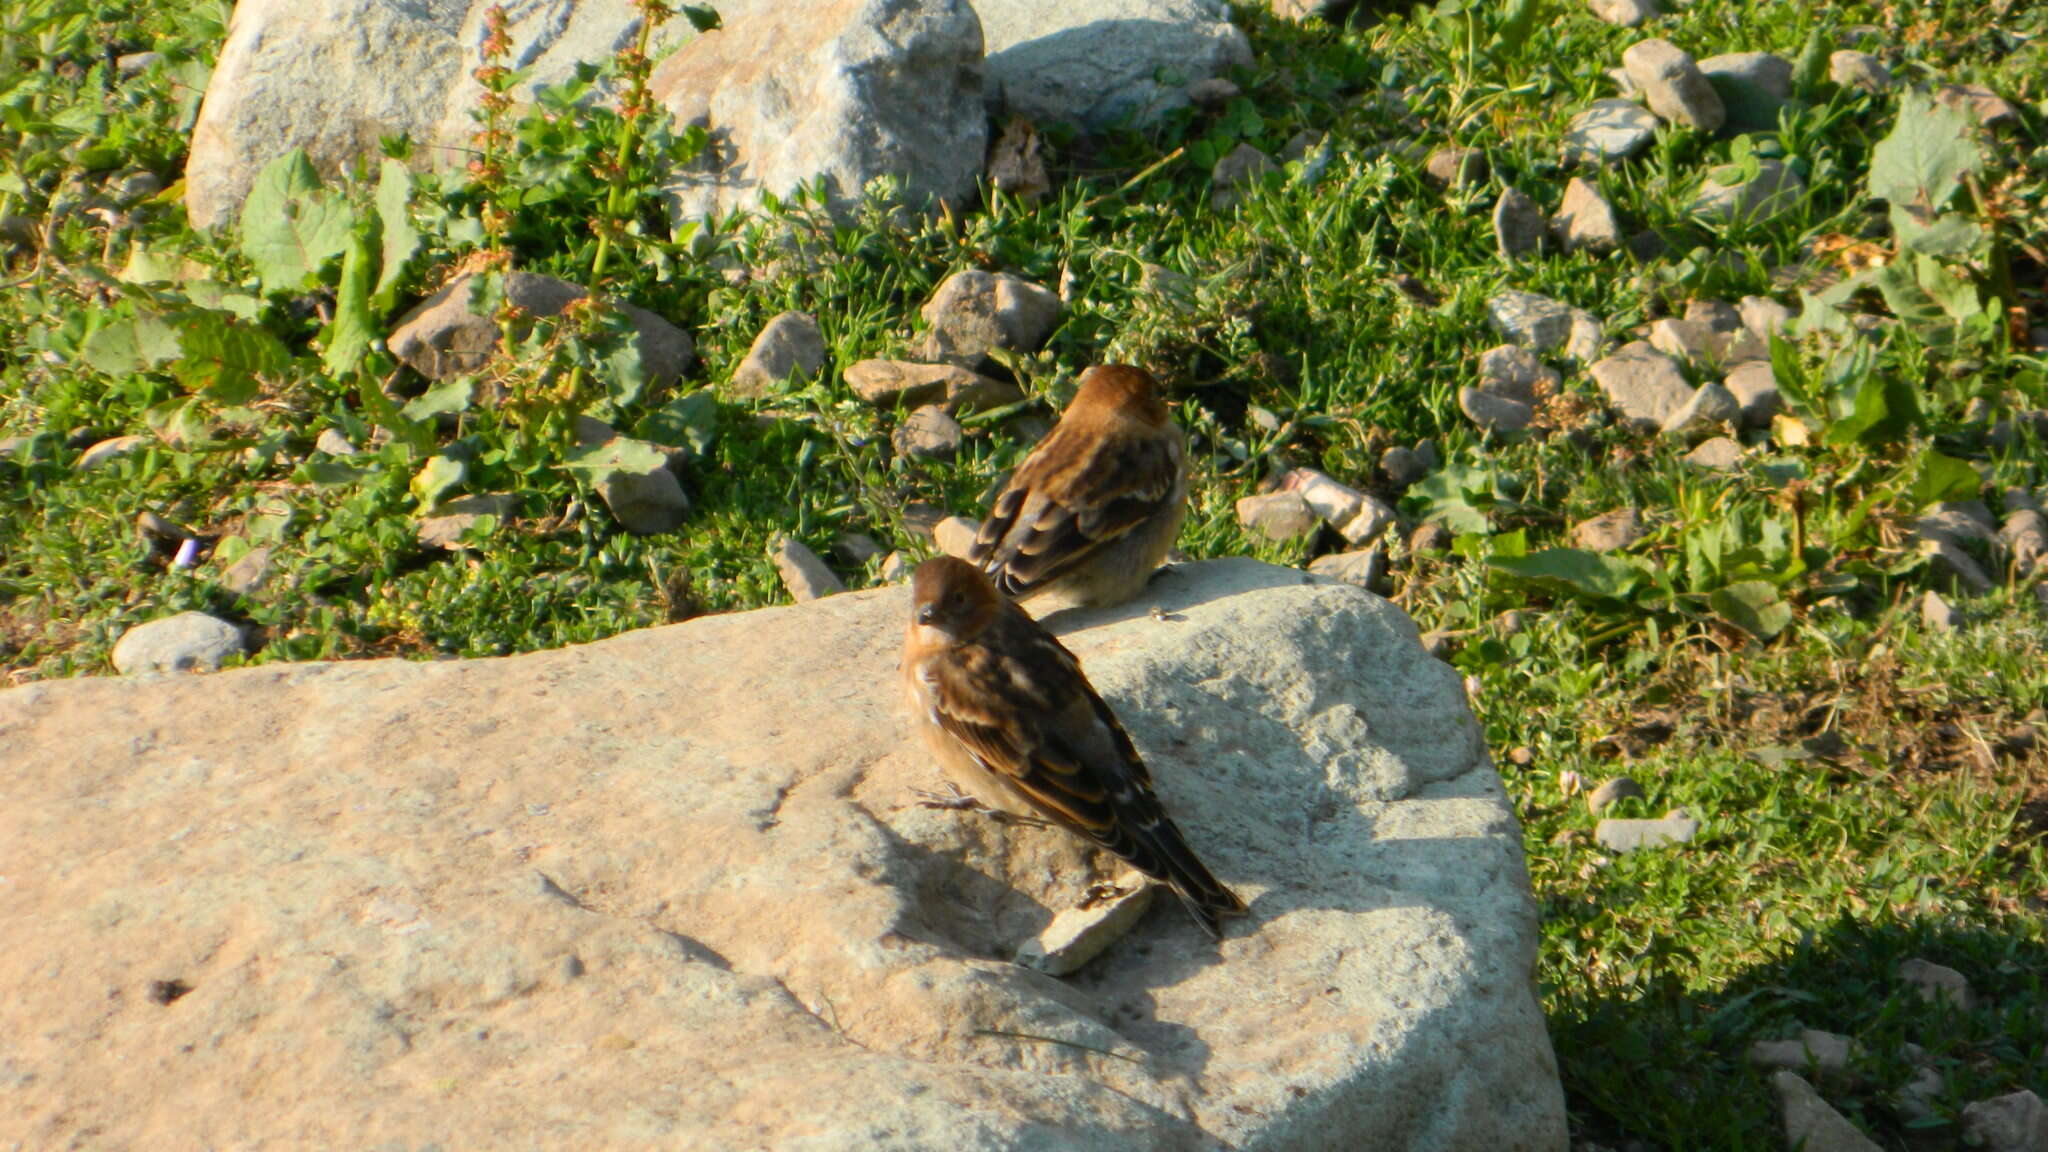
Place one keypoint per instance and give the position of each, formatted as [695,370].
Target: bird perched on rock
[1096,506]
[1017,727]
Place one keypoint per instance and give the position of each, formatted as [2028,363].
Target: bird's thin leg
[954,800]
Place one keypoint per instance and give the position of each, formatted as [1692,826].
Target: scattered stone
[1938,982]
[1213,92]
[895,569]
[1725,195]
[248,575]
[901,384]
[332,442]
[2015,1122]
[1016,164]
[1277,515]
[1681,339]
[2025,533]
[1494,412]
[1624,13]
[1711,404]
[1455,167]
[109,450]
[1919,1099]
[1755,388]
[1587,338]
[802,572]
[1336,503]
[1365,567]
[1079,935]
[1430,537]
[1537,323]
[974,311]
[857,547]
[1676,827]
[1374,517]
[789,346]
[1978,102]
[1958,520]
[1243,167]
[1948,560]
[1753,86]
[133,64]
[1643,383]
[1852,69]
[851,91]
[928,434]
[1103,65]
[1518,224]
[444,336]
[644,503]
[134,188]
[1585,219]
[1715,317]
[1610,129]
[450,520]
[1402,466]
[1513,622]
[157,530]
[1719,454]
[1673,85]
[1439,643]
[1609,531]
[955,535]
[1937,615]
[1763,316]
[186,642]
[1613,792]
[1830,1056]
[1810,1124]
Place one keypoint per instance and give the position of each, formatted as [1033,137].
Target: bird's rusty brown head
[1123,388]
[952,596]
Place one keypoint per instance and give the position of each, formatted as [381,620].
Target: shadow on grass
[1657,1066]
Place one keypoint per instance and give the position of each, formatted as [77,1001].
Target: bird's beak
[926,613]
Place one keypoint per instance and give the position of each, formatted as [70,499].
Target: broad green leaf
[132,344]
[618,454]
[1950,288]
[625,374]
[703,17]
[437,477]
[224,357]
[690,421]
[1883,408]
[1950,235]
[1588,575]
[382,411]
[451,396]
[1937,478]
[1923,161]
[1455,494]
[400,238]
[1753,606]
[355,326]
[291,225]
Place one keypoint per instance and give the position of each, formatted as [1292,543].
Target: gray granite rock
[445,336]
[1609,130]
[1609,532]
[1585,220]
[1645,385]
[106,451]
[975,311]
[186,642]
[2015,1122]
[1242,169]
[928,434]
[1753,87]
[1518,224]
[1278,515]
[1364,567]
[1726,194]
[1810,1123]
[1755,388]
[1535,322]
[1108,63]
[1763,316]
[1455,167]
[803,573]
[1624,13]
[1673,84]
[1675,827]
[1852,69]
[1719,454]
[789,347]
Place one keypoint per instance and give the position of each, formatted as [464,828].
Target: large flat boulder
[675,890]
[333,76]
[1108,61]
[844,89]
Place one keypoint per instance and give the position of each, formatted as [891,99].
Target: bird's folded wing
[1075,495]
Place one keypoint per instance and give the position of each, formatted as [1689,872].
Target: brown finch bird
[1096,506]
[1017,727]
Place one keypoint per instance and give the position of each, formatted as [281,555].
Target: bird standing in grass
[1016,726]
[1094,509]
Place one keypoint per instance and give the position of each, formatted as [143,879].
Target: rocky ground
[1680,372]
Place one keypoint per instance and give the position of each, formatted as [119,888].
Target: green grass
[1868,790]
